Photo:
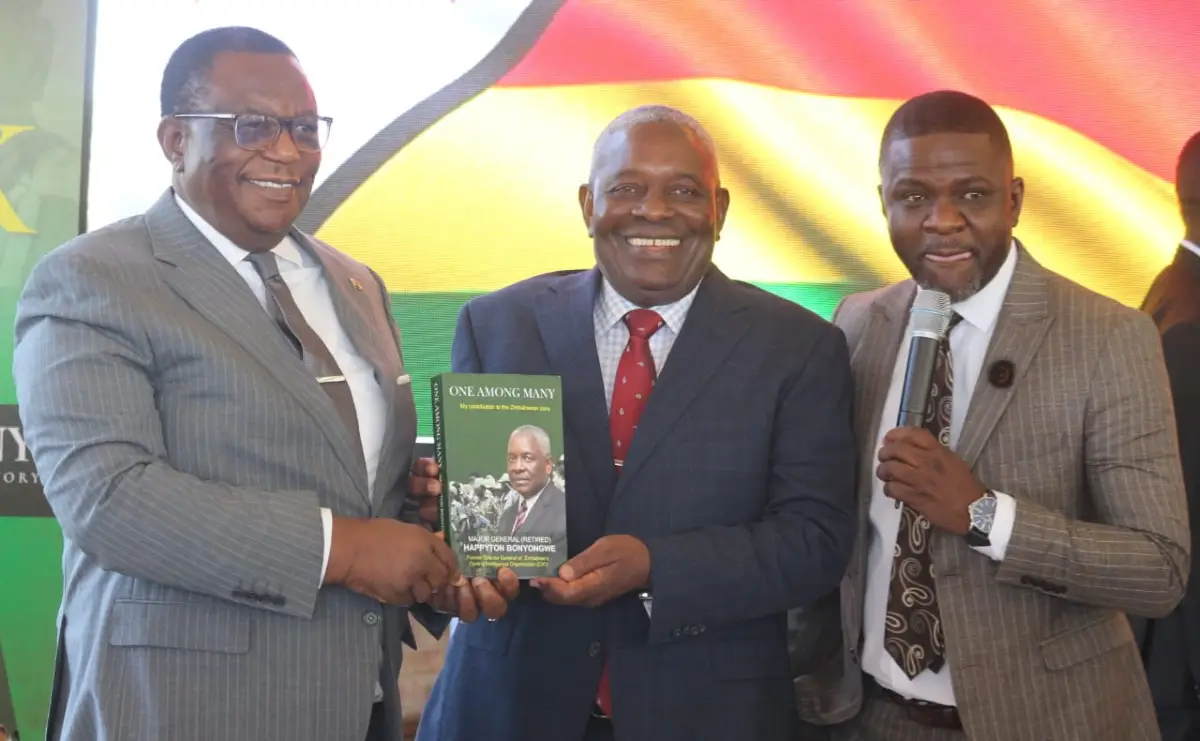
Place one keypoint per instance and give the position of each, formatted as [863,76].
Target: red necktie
[521,512]
[631,390]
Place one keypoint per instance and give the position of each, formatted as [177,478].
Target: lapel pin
[1001,374]
[356,283]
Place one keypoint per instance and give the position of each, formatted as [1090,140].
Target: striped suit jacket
[1084,438]
[186,451]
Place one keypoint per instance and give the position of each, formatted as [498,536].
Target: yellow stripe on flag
[487,195]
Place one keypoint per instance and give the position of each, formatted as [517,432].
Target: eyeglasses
[256,132]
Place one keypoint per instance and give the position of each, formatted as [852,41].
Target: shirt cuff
[327,528]
[1002,525]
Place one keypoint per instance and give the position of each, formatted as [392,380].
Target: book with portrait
[498,440]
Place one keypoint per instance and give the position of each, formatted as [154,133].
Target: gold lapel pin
[356,283]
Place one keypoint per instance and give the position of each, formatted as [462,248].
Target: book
[498,440]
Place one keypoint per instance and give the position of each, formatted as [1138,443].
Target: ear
[172,139]
[882,203]
[722,209]
[1017,194]
[587,206]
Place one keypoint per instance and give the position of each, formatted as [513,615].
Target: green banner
[45,56]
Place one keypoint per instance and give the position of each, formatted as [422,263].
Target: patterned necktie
[521,512]
[317,358]
[913,628]
[631,390]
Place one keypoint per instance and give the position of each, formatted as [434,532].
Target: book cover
[498,440]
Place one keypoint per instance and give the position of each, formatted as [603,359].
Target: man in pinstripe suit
[219,412]
[1000,550]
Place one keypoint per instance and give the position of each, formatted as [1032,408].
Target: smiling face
[251,197]
[951,203]
[654,210]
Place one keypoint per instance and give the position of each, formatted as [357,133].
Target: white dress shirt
[310,289]
[969,342]
[1191,247]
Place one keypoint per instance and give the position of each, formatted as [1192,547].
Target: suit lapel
[874,361]
[352,305]
[205,280]
[565,323]
[714,326]
[1020,329]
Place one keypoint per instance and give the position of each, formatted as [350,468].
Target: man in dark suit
[693,536]
[540,508]
[1171,645]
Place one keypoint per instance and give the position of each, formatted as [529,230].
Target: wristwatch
[982,513]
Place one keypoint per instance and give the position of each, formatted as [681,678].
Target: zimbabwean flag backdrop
[476,187]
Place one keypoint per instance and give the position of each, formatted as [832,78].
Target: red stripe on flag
[1121,72]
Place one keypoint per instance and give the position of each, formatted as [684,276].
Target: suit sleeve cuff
[327,528]
[1002,527]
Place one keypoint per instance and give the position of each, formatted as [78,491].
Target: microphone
[928,321]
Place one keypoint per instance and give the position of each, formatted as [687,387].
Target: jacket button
[594,649]
[370,618]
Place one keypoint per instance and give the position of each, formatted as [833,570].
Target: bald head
[653,114]
[1187,186]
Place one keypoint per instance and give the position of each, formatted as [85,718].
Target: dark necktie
[631,390]
[316,356]
[913,628]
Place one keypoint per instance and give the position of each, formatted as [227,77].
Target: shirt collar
[287,252]
[611,307]
[982,309]
[1191,247]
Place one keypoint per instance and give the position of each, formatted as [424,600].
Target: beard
[958,293]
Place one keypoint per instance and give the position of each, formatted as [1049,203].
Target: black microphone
[928,321]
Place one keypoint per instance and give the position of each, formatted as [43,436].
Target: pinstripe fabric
[1084,438]
[185,451]
[882,720]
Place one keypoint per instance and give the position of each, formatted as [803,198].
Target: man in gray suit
[1000,547]
[220,415]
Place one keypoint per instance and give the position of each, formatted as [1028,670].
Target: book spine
[439,455]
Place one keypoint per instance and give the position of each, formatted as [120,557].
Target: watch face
[983,511]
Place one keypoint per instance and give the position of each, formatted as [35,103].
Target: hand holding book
[392,561]
[468,600]
[479,596]
[611,567]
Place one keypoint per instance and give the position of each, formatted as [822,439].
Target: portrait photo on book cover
[524,505]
